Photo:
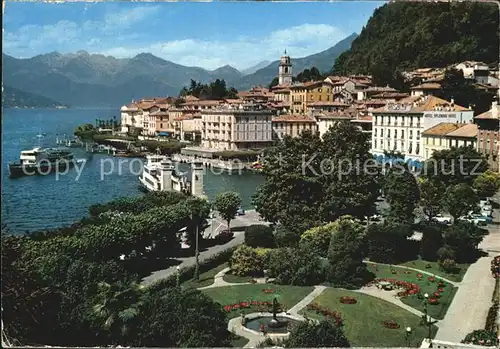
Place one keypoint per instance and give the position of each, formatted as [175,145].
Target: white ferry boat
[150,178]
[41,161]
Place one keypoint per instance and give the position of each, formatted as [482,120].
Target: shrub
[317,239]
[388,243]
[445,252]
[491,319]
[259,236]
[481,337]
[448,265]
[311,334]
[247,261]
[295,266]
[432,240]
[285,237]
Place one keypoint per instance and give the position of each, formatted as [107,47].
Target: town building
[398,126]
[285,70]
[426,88]
[477,71]
[188,127]
[302,94]
[229,128]
[446,135]
[136,115]
[292,125]
[488,137]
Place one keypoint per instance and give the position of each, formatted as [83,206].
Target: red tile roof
[294,118]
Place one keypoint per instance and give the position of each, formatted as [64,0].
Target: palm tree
[117,305]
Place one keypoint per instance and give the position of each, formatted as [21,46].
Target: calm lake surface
[43,202]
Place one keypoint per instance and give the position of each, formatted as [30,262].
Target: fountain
[270,324]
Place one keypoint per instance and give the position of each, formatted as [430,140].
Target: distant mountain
[83,79]
[14,98]
[323,61]
[254,68]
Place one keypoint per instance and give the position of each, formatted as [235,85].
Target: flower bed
[481,337]
[326,312]
[242,305]
[268,290]
[441,284]
[408,287]
[431,278]
[433,301]
[348,300]
[390,324]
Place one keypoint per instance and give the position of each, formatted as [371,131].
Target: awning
[164,134]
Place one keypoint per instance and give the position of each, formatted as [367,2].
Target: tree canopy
[406,35]
[402,193]
[214,90]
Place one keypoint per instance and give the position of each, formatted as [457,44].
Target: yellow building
[292,125]
[309,92]
[447,135]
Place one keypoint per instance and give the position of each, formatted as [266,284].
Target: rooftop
[419,104]
[427,86]
[442,129]
[294,118]
[467,130]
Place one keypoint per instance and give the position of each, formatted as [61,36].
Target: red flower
[413,291]
[228,308]
[433,300]
[419,275]
[348,300]
[440,290]
[390,324]
[437,294]
[431,278]
[268,290]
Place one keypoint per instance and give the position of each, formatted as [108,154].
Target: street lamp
[177,275]
[428,322]
[408,333]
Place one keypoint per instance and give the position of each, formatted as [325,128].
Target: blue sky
[202,34]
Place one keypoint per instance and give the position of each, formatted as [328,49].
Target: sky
[203,34]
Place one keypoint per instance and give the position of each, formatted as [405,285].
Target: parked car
[476,219]
[442,219]
[485,202]
[240,212]
[487,212]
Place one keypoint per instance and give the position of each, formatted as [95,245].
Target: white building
[398,126]
[228,128]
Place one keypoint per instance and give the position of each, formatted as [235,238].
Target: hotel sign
[441,115]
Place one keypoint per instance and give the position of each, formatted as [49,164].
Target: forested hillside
[406,35]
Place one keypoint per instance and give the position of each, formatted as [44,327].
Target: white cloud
[112,37]
[299,41]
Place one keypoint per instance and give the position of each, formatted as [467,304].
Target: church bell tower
[285,70]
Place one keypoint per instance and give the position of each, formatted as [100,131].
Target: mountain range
[14,98]
[83,79]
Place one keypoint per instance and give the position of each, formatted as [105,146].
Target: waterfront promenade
[238,224]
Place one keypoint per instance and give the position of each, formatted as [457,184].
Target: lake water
[42,202]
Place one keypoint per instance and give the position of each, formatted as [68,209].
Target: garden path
[454,283]
[471,303]
[220,282]
[305,301]
[390,296]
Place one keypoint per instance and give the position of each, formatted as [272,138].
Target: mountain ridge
[14,98]
[89,79]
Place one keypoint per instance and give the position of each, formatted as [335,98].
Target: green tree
[285,237]
[116,307]
[432,241]
[227,204]
[273,83]
[388,242]
[317,239]
[487,184]
[455,165]
[259,235]
[402,193]
[248,261]
[310,334]
[302,267]
[464,238]
[431,192]
[310,181]
[175,317]
[459,200]
[346,254]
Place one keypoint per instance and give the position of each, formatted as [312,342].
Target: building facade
[309,92]
[292,125]
[488,137]
[445,135]
[398,126]
[236,129]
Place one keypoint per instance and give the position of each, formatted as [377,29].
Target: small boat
[41,161]
[41,135]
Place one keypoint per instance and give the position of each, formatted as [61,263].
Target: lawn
[287,296]
[436,270]
[362,321]
[236,279]
[206,278]
[436,311]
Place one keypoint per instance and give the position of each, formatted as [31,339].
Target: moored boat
[41,161]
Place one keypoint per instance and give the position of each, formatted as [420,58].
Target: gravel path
[305,301]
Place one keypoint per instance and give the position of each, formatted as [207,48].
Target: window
[375,144]
[418,134]
[402,134]
[388,133]
[375,132]
[411,134]
[319,98]
[409,148]
[417,151]
[381,132]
